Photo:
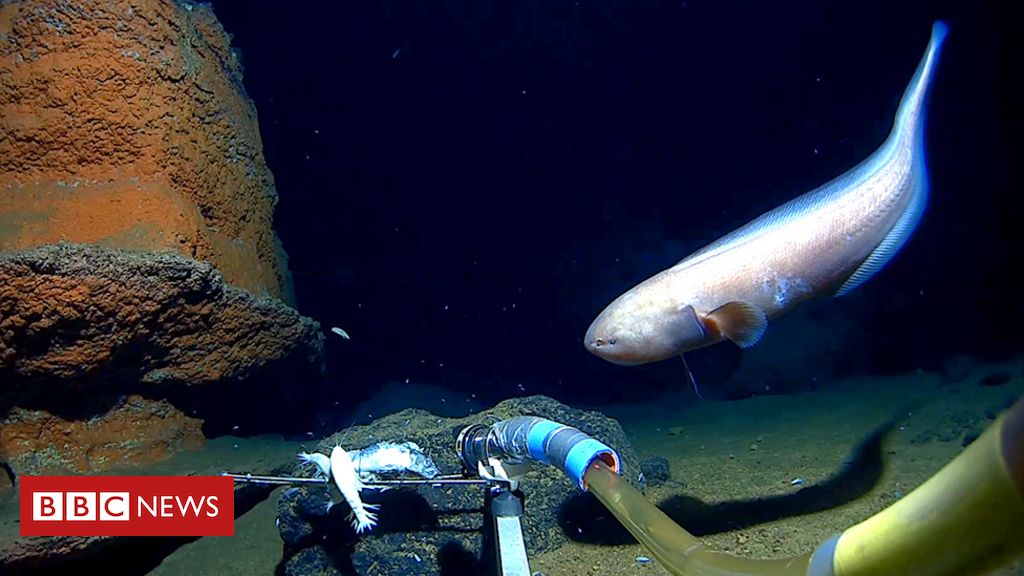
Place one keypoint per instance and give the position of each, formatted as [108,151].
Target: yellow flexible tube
[674,548]
[967,519]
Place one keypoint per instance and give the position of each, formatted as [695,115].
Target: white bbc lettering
[149,507]
[114,506]
[211,503]
[80,506]
[47,506]
[168,506]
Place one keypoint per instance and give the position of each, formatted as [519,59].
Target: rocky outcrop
[125,124]
[93,316]
[83,326]
[38,442]
[144,296]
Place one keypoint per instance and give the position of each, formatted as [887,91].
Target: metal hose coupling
[534,439]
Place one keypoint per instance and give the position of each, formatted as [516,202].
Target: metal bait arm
[450,479]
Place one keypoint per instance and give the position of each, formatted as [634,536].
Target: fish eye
[612,341]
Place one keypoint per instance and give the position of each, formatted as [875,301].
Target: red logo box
[127,506]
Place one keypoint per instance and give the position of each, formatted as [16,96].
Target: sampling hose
[531,438]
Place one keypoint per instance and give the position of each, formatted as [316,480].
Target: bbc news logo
[127,506]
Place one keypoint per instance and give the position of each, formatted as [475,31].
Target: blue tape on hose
[580,456]
[539,432]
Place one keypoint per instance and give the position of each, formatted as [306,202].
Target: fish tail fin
[910,122]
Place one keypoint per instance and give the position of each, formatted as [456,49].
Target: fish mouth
[610,350]
[600,339]
[590,340]
[601,347]
[618,360]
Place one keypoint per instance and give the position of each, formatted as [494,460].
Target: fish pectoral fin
[689,322]
[741,322]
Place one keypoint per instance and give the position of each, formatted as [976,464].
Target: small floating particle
[341,333]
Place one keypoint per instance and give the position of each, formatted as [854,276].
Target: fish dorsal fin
[893,241]
[739,321]
[909,124]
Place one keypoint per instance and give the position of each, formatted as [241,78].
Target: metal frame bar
[295,480]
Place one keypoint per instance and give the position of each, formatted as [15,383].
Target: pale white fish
[828,241]
[349,484]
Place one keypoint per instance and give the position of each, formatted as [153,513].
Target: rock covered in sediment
[315,561]
[656,470]
[92,315]
[133,432]
[137,254]
[294,510]
[81,326]
[124,123]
